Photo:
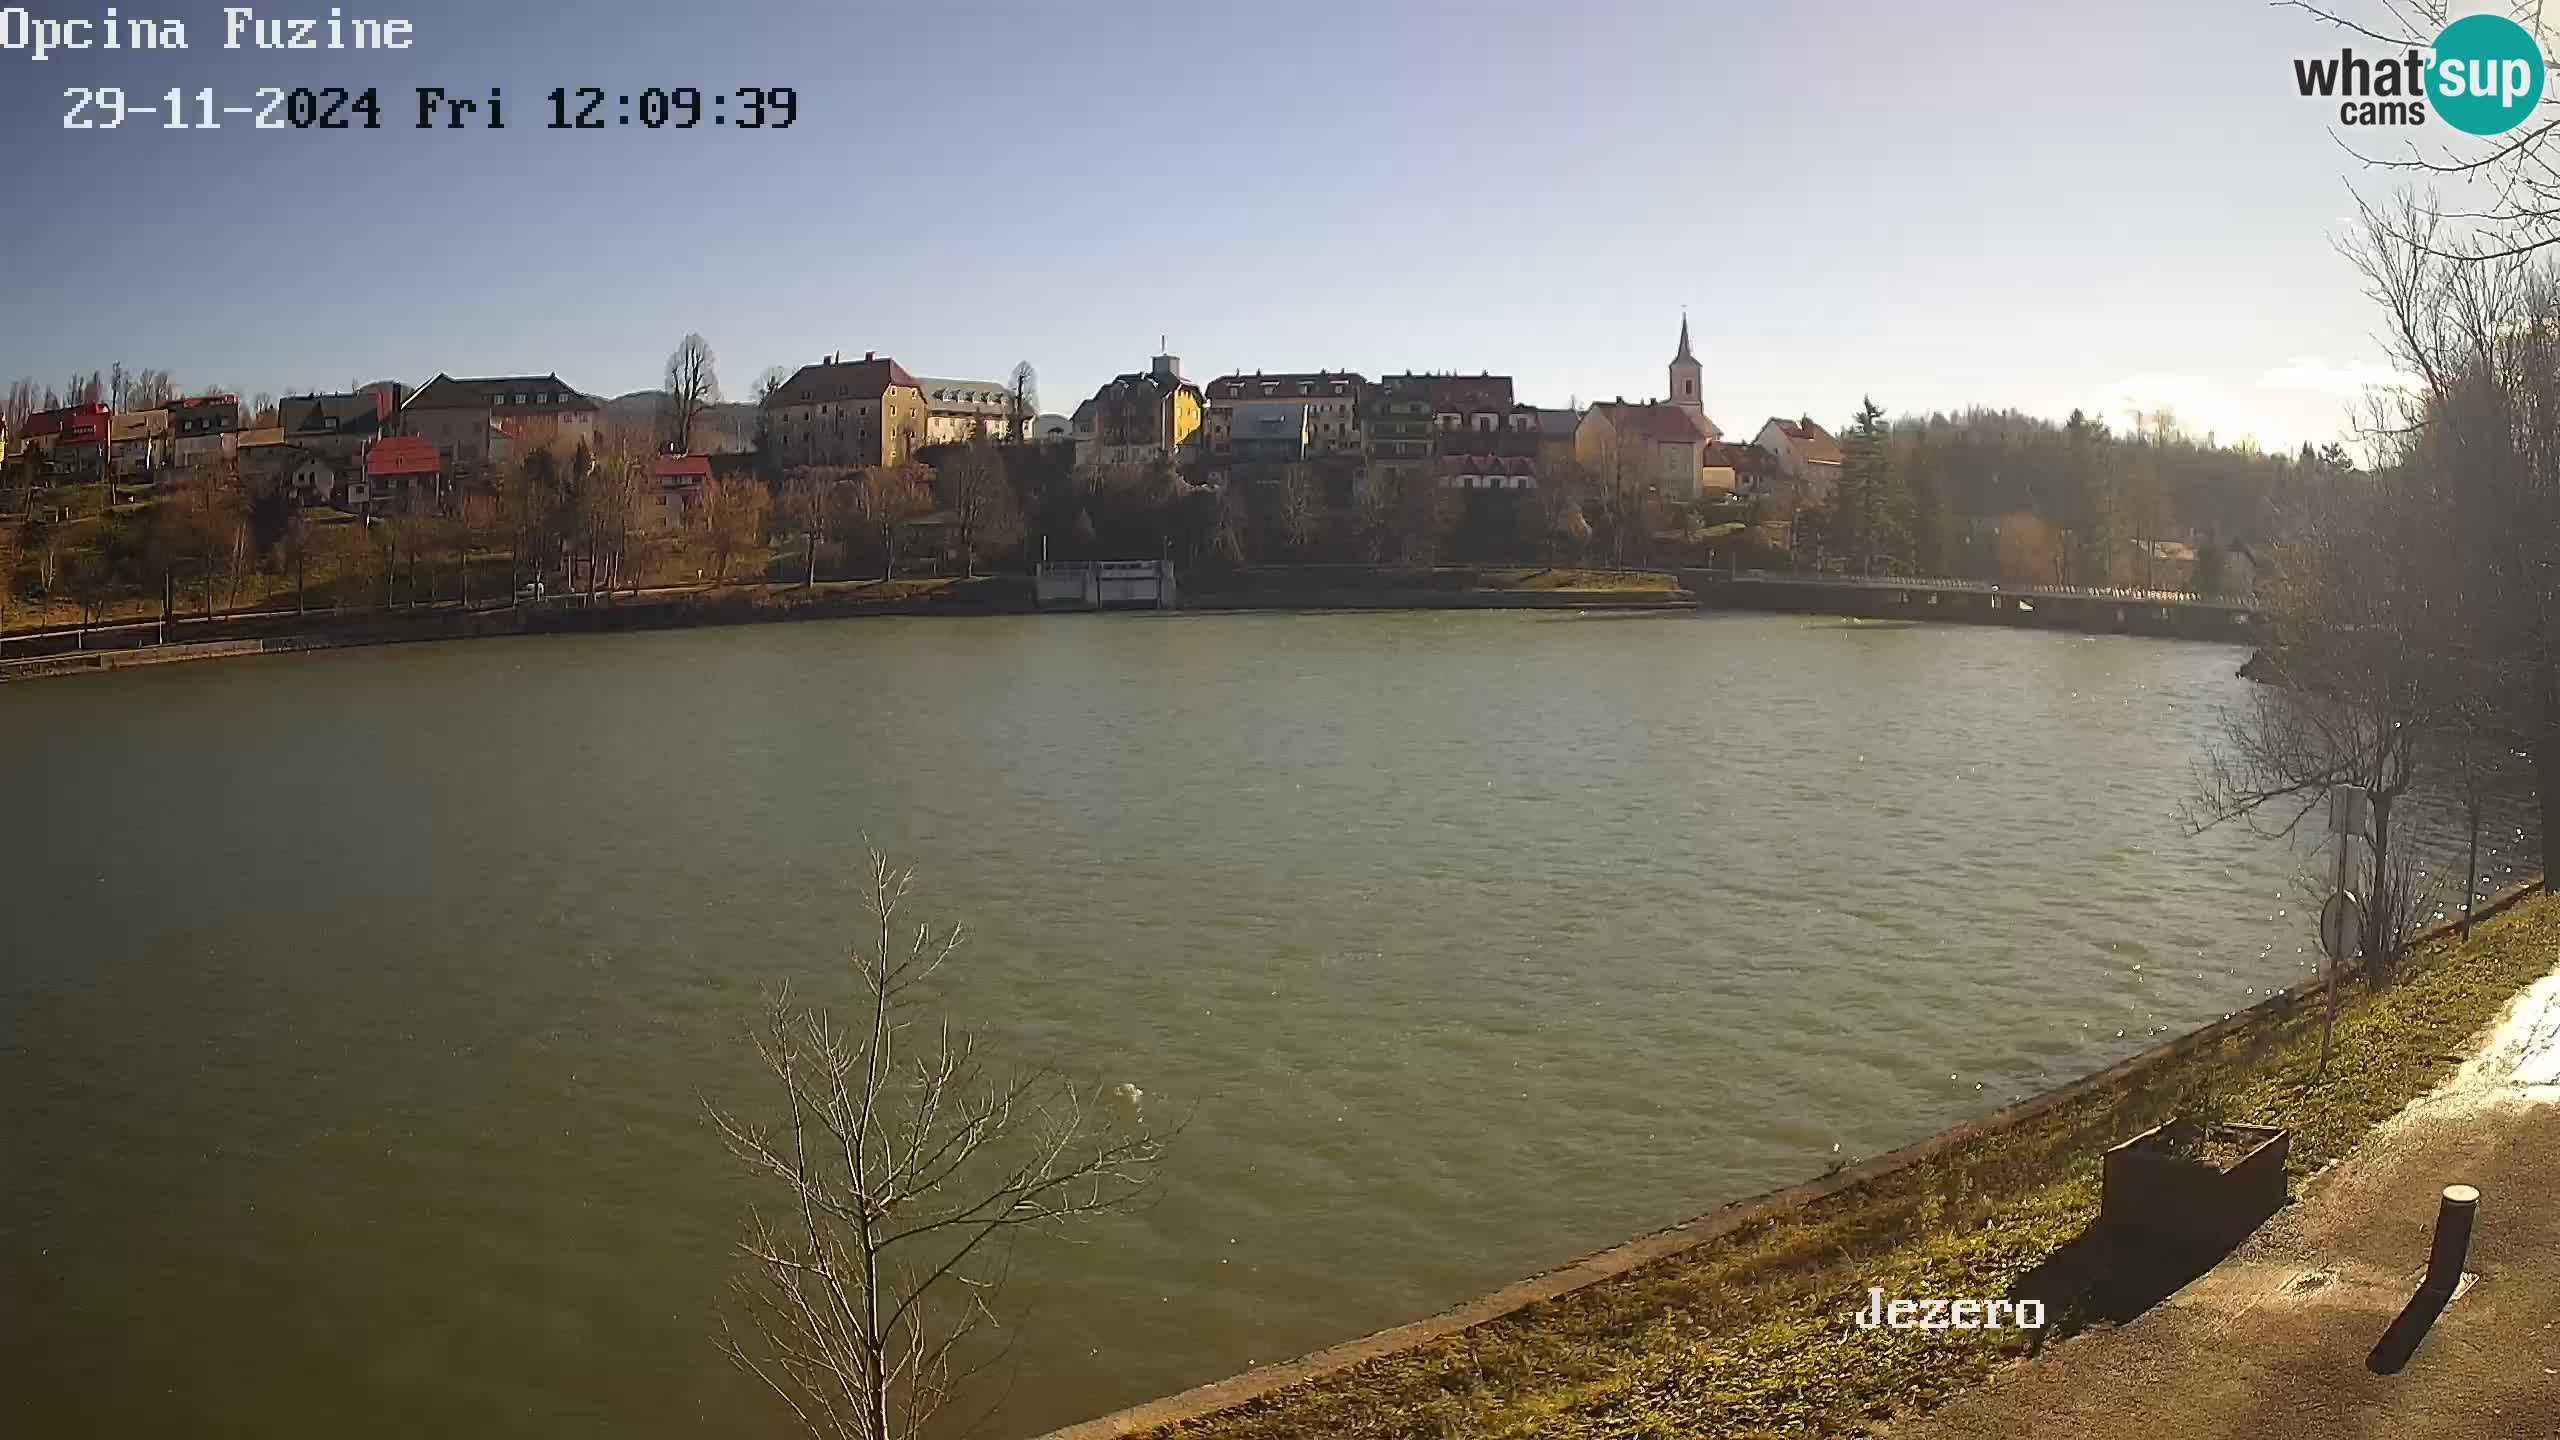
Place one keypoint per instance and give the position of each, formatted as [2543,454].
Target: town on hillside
[123,487]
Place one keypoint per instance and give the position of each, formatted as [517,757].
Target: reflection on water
[356,1010]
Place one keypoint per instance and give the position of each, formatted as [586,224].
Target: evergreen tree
[1872,517]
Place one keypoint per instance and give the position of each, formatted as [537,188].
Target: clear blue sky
[2012,203]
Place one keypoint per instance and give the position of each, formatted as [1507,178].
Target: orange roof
[401,455]
[682,467]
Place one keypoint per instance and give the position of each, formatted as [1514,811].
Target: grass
[1577,579]
[1440,578]
[1750,1336]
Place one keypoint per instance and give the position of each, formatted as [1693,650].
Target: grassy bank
[1750,1335]
[1439,579]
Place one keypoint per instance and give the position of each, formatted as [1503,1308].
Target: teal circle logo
[2486,76]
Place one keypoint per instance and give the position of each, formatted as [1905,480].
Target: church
[1659,443]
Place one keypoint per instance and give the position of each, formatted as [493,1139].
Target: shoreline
[999,595]
[1409,1368]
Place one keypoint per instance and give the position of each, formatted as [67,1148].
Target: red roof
[55,422]
[401,455]
[1818,446]
[865,379]
[683,467]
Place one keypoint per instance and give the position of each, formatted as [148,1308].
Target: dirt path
[2286,1337]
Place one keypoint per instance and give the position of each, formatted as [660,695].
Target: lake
[357,1010]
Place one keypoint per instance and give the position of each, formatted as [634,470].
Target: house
[264,449]
[138,444]
[1413,421]
[43,431]
[403,468]
[1051,429]
[1654,445]
[1142,417]
[959,411]
[1808,460]
[80,447]
[1489,472]
[1272,431]
[203,427]
[1744,470]
[1331,397]
[341,425]
[307,476]
[476,423]
[864,412]
[676,501]
[2163,564]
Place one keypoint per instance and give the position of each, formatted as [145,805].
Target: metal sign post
[2341,912]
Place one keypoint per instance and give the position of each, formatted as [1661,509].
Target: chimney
[867,355]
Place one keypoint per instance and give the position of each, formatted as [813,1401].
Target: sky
[2011,203]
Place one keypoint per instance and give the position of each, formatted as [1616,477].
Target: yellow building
[866,412]
[1142,417]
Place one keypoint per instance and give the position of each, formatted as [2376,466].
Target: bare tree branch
[908,1176]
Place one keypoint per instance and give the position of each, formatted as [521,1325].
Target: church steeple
[1686,374]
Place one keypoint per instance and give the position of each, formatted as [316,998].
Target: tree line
[2002,495]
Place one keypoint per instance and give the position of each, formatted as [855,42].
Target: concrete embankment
[557,616]
[127,646]
[1750,1262]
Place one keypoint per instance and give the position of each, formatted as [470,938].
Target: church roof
[1667,424]
[1684,343]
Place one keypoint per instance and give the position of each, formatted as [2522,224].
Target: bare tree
[811,495]
[1023,401]
[693,386]
[12,543]
[904,1166]
[887,497]
[2353,683]
[1299,513]
[1421,511]
[1556,507]
[985,514]
[733,515]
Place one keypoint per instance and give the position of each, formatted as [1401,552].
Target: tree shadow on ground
[2111,1275]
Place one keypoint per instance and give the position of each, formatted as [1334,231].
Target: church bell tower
[1685,375]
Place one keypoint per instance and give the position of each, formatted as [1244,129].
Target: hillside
[730,427]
